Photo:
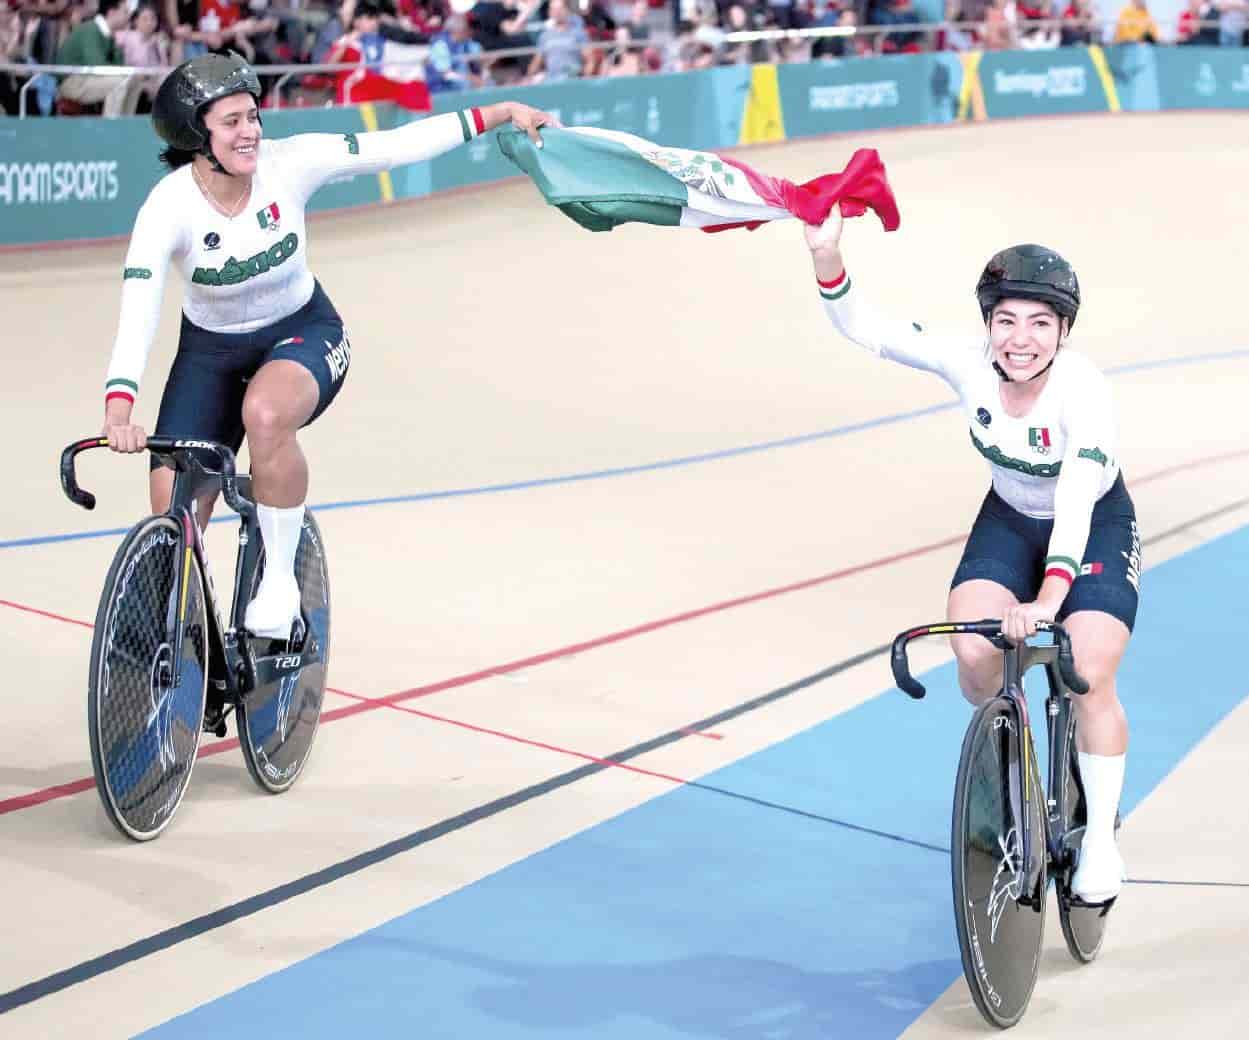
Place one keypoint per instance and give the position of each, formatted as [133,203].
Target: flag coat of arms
[604,178]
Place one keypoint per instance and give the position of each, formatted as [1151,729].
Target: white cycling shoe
[275,608]
[1099,873]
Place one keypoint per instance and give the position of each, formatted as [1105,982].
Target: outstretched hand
[826,238]
[530,119]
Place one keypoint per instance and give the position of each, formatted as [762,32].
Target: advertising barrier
[79,179]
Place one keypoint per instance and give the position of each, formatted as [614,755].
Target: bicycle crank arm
[273,667]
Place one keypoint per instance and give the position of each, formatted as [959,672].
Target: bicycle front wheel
[999,900]
[278,721]
[143,721]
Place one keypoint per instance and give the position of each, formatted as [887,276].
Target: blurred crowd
[463,46]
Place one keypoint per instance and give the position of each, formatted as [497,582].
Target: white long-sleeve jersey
[1055,462]
[251,270]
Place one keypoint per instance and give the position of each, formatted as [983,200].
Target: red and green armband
[1061,567]
[120,389]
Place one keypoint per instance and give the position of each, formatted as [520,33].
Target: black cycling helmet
[1030,272]
[178,110]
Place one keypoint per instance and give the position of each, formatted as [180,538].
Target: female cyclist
[262,351]
[1056,536]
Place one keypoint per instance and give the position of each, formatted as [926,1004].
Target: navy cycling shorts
[1009,548]
[203,398]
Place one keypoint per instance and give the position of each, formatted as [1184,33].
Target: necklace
[230,213]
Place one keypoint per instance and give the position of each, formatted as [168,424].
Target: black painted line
[198,926]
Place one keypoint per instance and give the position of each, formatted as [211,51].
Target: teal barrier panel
[666,108]
[1035,83]
[827,97]
[1203,77]
[1135,73]
[71,179]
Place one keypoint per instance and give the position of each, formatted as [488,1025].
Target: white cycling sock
[279,529]
[1103,785]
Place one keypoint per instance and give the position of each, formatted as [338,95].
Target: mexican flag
[604,178]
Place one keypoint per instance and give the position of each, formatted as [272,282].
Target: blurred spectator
[1078,23]
[224,18]
[182,17]
[999,29]
[143,46]
[952,38]
[600,27]
[638,26]
[1035,34]
[561,46]
[500,24]
[450,65]
[1136,24]
[754,52]
[899,12]
[44,32]
[1191,31]
[422,16]
[1233,21]
[12,51]
[93,42]
[338,24]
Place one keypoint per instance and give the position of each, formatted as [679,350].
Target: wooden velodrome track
[529,625]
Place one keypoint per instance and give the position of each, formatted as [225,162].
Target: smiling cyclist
[262,351]
[1056,536]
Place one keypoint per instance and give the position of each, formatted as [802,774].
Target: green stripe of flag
[466,128]
[1065,561]
[122,382]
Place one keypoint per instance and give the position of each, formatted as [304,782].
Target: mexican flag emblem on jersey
[269,216]
[1039,438]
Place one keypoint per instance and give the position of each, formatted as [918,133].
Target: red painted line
[393,700]
[703,733]
[43,613]
[515,739]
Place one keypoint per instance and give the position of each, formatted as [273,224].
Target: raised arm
[314,159]
[906,342]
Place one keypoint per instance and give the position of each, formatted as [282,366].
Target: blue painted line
[645,467]
[697,915]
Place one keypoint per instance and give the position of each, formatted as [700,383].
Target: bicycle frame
[1017,660]
[234,669]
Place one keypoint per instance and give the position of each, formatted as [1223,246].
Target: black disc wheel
[999,899]
[144,721]
[1084,926]
[278,720]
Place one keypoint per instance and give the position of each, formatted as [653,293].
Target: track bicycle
[164,668]
[1010,835]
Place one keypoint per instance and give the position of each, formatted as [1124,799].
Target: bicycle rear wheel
[1084,926]
[999,901]
[278,721]
[144,729]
